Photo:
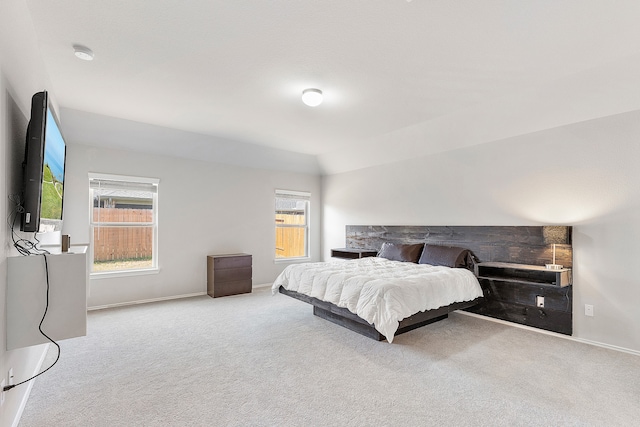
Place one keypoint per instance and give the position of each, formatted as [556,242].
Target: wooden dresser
[228,274]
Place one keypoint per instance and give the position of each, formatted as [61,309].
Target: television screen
[43,169]
[52,172]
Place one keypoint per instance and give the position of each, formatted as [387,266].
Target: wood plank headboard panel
[516,244]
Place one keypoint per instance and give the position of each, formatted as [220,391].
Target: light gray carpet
[258,360]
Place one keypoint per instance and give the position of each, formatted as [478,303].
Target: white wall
[584,175]
[204,208]
[21,75]
[238,200]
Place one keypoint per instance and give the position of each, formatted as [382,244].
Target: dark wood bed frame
[509,244]
[343,317]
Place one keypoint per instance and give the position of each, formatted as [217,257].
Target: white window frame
[296,195]
[154,269]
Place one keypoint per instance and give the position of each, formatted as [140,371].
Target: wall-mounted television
[43,169]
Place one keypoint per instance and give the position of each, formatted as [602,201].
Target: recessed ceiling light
[83,52]
[312,97]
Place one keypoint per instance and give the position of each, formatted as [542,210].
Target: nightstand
[352,253]
[527,294]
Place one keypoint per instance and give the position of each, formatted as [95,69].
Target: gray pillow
[401,252]
[449,256]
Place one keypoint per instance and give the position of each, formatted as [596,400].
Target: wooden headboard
[514,244]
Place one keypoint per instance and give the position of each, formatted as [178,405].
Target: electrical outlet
[539,301]
[588,310]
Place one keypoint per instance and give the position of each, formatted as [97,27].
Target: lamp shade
[556,234]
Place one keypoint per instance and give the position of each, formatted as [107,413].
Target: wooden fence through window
[290,241]
[120,243]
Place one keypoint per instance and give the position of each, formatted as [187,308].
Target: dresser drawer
[555,298]
[224,289]
[231,261]
[516,301]
[543,318]
[232,274]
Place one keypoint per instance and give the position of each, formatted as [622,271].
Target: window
[292,224]
[124,224]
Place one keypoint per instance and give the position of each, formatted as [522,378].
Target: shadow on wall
[16,134]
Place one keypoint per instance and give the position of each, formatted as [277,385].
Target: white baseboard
[603,345]
[27,393]
[122,304]
[555,334]
[263,285]
[197,294]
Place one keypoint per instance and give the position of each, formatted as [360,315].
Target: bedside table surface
[537,274]
[519,266]
[354,250]
[352,253]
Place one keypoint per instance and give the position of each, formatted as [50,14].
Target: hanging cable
[26,248]
[46,308]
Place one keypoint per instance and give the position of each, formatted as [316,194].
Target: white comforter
[380,291]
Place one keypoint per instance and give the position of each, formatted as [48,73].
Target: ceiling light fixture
[83,52]
[312,97]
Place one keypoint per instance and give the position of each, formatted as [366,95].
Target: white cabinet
[27,294]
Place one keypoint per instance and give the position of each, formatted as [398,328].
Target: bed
[512,299]
[406,286]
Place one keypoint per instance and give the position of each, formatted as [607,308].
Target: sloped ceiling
[400,78]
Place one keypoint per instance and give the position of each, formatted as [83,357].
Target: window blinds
[297,195]
[108,184]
